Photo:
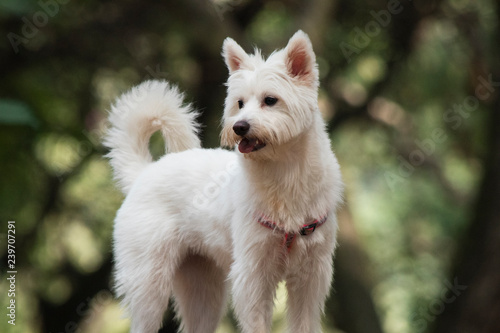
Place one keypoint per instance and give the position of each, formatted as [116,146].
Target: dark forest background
[410,92]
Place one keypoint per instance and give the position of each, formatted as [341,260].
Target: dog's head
[269,102]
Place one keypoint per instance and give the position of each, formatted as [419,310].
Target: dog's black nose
[241,127]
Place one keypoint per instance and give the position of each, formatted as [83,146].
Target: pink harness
[307,229]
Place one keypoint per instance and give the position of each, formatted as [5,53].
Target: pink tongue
[247,145]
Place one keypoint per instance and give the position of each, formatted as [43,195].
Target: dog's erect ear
[234,55]
[300,60]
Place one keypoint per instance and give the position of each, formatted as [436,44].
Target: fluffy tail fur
[135,116]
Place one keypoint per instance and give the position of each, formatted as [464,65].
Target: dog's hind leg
[200,291]
[147,298]
[144,278]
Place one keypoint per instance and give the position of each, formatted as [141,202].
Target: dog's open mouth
[248,145]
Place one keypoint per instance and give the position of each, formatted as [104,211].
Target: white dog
[201,222]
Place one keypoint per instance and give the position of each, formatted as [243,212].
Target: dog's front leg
[308,286]
[255,276]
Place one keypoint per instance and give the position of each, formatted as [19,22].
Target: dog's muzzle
[247,144]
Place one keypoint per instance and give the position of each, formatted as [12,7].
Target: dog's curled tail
[135,116]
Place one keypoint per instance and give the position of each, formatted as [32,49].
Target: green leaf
[14,112]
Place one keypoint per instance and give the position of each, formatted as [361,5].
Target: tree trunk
[350,306]
[477,309]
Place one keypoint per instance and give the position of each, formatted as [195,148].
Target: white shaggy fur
[188,227]
[135,116]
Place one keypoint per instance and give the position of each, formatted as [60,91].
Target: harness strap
[306,229]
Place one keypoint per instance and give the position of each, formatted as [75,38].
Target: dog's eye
[240,104]
[270,101]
